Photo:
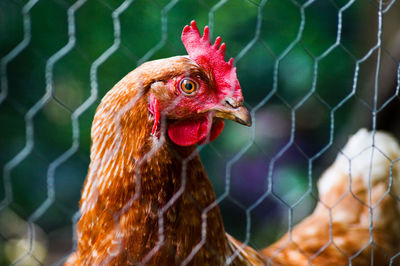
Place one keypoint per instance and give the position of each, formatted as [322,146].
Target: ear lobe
[154,109]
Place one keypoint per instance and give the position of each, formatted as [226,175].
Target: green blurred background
[308,88]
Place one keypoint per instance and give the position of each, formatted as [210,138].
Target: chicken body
[352,224]
[147,198]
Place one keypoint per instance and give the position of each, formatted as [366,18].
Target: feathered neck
[144,199]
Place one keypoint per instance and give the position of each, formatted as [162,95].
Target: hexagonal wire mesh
[312,73]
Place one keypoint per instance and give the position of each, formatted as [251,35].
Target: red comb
[212,56]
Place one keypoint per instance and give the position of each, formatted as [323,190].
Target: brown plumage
[145,197]
[338,231]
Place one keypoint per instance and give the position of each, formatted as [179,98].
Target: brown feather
[136,181]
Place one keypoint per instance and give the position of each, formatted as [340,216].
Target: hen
[338,231]
[147,198]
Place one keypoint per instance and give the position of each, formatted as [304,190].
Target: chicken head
[201,91]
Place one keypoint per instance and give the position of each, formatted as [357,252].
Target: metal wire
[270,94]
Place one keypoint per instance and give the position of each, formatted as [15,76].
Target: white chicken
[357,218]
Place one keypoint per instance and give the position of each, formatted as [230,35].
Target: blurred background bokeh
[312,72]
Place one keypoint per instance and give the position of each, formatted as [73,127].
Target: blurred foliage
[288,80]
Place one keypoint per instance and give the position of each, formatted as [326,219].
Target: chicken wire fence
[312,72]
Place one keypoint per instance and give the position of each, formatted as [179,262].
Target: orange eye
[188,86]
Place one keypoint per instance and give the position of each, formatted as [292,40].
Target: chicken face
[199,96]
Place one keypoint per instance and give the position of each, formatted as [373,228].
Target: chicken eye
[188,86]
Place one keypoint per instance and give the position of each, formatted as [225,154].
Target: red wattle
[216,130]
[190,132]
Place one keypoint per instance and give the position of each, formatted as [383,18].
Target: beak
[234,112]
